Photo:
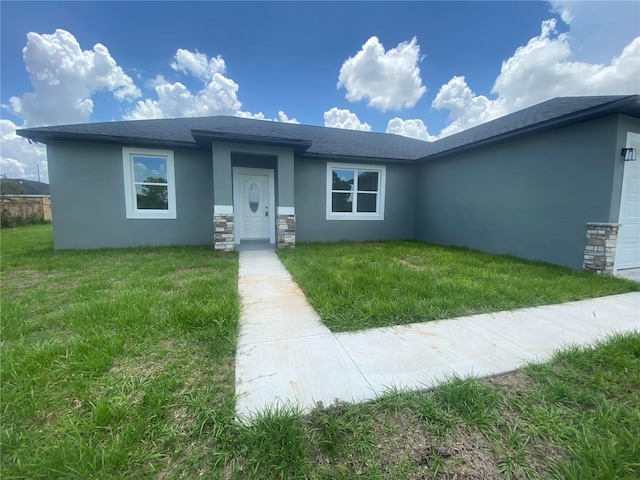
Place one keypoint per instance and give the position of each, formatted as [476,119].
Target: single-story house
[552,182]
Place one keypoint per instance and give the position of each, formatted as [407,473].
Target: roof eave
[626,105]
[355,158]
[46,137]
[206,137]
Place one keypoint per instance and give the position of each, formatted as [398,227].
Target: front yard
[355,286]
[115,363]
[120,364]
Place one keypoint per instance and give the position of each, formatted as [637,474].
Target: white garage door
[628,245]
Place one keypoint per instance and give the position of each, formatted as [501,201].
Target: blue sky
[421,69]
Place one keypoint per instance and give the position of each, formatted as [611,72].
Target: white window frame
[130,187]
[355,215]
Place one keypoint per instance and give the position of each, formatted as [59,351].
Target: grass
[576,417]
[120,364]
[115,363]
[356,286]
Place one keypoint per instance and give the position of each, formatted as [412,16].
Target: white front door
[253,204]
[628,244]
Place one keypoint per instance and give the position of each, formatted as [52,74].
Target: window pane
[341,202]
[367,181]
[367,202]
[254,197]
[152,197]
[342,180]
[150,169]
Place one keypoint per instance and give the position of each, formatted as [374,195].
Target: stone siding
[600,249]
[224,236]
[285,231]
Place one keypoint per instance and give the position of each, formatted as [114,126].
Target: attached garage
[628,244]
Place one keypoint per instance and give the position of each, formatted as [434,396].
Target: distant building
[33,201]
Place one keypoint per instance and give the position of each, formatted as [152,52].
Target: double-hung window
[149,183]
[355,192]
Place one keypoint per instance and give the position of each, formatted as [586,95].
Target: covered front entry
[253,204]
[249,206]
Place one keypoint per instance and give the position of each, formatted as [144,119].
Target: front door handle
[266,211]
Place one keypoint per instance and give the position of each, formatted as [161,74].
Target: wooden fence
[26,206]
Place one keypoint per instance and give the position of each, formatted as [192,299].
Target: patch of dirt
[74,402]
[462,456]
[141,368]
[182,419]
[466,457]
[132,373]
[513,382]
[19,281]
[407,262]
[408,441]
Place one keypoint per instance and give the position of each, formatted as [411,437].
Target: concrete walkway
[286,356]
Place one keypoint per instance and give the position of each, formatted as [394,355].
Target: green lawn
[120,364]
[115,363]
[355,286]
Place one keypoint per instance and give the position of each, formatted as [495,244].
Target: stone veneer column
[285,231]
[600,250]
[224,236]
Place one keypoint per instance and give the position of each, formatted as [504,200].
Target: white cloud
[65,77]
[18,158]
[198,64]
[342,118]
[466,109]
[145,170]
[282,117]
[219,96]
[255,116]
[389,80]
[540,70]
[413,128]
[562,8]
[598,30]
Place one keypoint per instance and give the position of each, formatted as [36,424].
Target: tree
[9,186]
[154,196]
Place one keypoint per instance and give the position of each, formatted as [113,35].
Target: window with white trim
[355,192]
[149,183]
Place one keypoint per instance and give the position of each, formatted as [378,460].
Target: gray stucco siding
[88,203]
[310,206]
[530,197]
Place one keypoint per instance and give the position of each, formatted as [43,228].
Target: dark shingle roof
[180,132]
[555,113]
[31,187]
[312,141]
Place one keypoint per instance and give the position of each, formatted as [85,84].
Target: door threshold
[255,245]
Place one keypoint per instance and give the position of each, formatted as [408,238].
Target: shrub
[7,220]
